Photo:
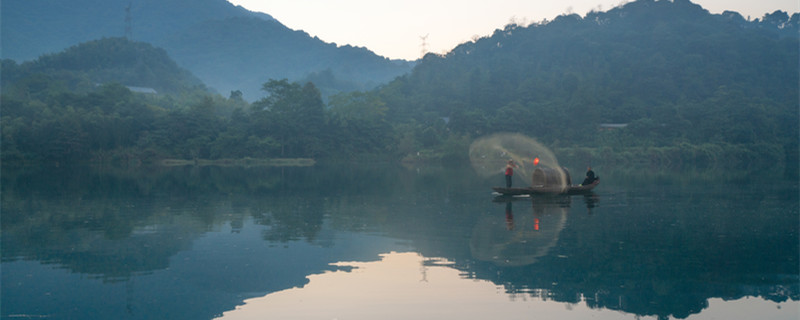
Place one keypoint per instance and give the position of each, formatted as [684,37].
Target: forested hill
[669,72]
[83,67]
[654,83]
[228,47]
[31,28]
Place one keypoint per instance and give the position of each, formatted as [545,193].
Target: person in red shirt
[509,172]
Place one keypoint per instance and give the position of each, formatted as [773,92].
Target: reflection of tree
[641,259]
[113,223]
[664,258]
[107,224]
[663,261]
[292,219]
[106,238]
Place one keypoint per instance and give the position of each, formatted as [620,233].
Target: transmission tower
[424,44]
[128,27]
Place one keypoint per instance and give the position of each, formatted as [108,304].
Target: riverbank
[243,162]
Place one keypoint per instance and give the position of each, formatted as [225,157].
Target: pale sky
[394,29]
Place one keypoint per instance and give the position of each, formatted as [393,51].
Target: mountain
[30,28]
[109,60]
[659,83]
[227,46]
[668,70]
[245,52]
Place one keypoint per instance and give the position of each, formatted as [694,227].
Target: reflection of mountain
[80,248]
[664,251]
[664,257]
[135,221]
[523,238]
[154,240]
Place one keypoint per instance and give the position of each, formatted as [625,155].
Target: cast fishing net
[489,155]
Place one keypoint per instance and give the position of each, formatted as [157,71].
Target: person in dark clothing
[590,177]
[509,172]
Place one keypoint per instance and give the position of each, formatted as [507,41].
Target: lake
[383,241]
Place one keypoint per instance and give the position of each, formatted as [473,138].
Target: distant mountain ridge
[31,28]
[680,86]
[228,47]
[83,67]
[670,70]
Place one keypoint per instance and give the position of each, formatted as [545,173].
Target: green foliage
[678,85]
[293,114]
[82,66]
[703,156]
[359,125]
[112,123]
[71,106]
[669,72]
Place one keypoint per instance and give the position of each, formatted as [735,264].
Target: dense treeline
[82,67]
[114,124]
[670,66]
[665,74]
[64,108]
[655,82]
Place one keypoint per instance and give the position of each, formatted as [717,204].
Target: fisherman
[590,177]
[509,172]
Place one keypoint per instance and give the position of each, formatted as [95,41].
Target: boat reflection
[590,199]
[524,237]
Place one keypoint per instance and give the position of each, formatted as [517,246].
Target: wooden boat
[549,181]
[542,189]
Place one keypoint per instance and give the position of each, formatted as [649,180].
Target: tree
[293,114]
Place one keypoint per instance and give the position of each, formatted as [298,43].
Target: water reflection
[662,255]
[524,237]
[194,243]
[410,286]
[590,199]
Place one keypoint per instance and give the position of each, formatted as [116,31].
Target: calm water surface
[384,242]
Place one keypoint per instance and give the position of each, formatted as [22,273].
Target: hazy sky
[394,29]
